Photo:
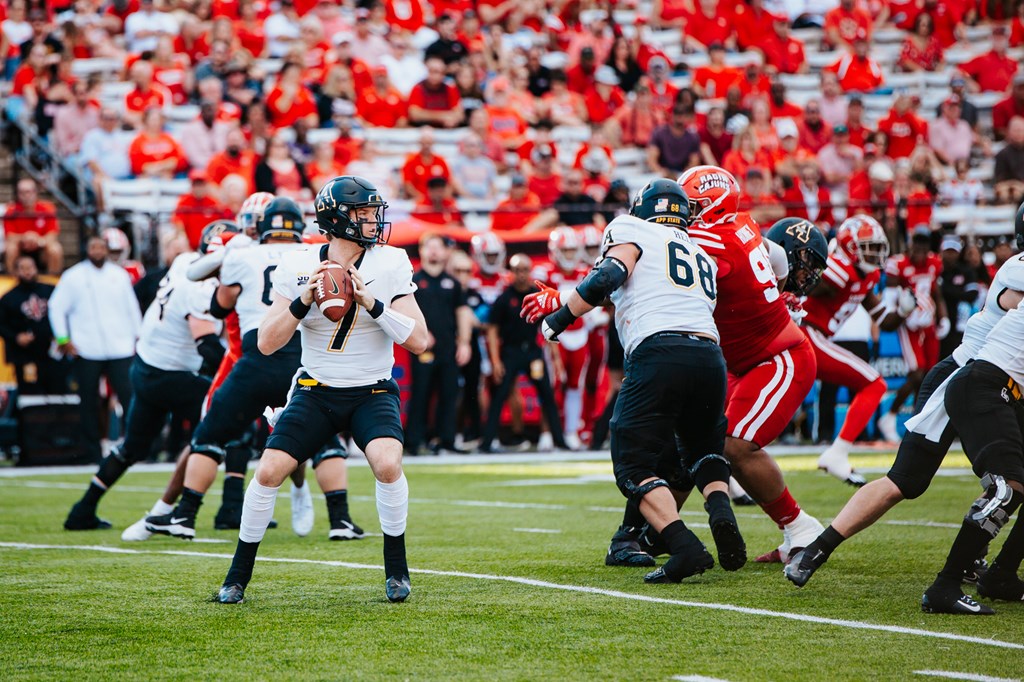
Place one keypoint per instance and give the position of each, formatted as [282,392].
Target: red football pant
[760,403]
[839,366]
[574,361]
[596,347]
[920,348]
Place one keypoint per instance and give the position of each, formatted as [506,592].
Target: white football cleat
[302,510]
[572,442]
[545,443]
[136,532]
[887,427]
[836,462]
[800,532]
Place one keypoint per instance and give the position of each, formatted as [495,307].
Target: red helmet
[564,247]
[488,250]
[714,194]
[252,211]
[863,240]
[591,252]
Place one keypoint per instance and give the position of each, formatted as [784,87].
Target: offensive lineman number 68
[681,269]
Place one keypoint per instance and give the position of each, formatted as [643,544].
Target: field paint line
[970,677]
[581,589]
[551,531]
[697,678]
[922,524]
[211,541]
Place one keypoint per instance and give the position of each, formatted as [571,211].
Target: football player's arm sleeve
[403,322]
[602,280]
[779,259]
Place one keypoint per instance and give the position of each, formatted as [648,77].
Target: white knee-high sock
[393,505]
[573,409]
[257,510]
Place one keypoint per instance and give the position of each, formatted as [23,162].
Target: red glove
[539,305]
[796,308]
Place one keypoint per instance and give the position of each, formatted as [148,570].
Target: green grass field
[508,584]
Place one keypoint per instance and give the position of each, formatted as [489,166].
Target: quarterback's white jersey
[354,351]
[166,340]
[1004,346]
[1010,275]
[672,287]
[252,268]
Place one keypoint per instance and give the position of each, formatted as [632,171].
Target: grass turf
[86,614]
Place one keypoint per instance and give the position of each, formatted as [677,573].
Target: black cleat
[977,571]
[228,518]
[651,542]
[397,588]
[940,600]
[732,551]
[173,524]
[681,566]
[84,518]
[346,530]
[801,567]
[625,549]
[999,584]
[744,500]
[230,594]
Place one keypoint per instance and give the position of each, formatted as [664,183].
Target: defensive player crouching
[345,383]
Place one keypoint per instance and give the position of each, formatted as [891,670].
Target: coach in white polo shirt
[96,320]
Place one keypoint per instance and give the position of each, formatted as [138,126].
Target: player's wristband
[61,340]
[298,309]
[377,309]
[560,320]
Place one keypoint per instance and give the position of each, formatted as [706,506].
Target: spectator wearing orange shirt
[505,124]
[437,206]
[992,71]
[860,134]
[324,167]
[663,92]
[747,154]
[604,97]
[435,102]
[31,229]
[406,15]
[562,105]
[752,22]
[520,208]
[857,71]
[236,159]
[635,121]
[1006,109]
[197,209]
[707,25]
[789,155]
[814,132]
[780,106]
[146,94]
[782,52]
[154,153]
[249,29]
[420,167]
[290,100]
[715,79]
[580,77]
[382,105]
[845,23]
[921,49]
[874,196]
[903,128]
[543,180]
[757,199]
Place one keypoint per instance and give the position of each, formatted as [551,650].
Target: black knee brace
[328,453]
[993,509]
[636,492]
[214,452]
[708,469]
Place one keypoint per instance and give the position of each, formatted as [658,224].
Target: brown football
[333,294]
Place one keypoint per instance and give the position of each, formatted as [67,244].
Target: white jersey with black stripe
[252,268]
[1009,276]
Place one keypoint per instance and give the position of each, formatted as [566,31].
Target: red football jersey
[753,322]
[828,314]
[489,286]
[564,283]
[901,271]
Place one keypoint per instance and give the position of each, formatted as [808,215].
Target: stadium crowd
[240,96]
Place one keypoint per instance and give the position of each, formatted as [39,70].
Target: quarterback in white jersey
[179,336]
[346,382]
[663,287]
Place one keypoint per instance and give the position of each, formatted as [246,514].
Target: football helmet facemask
[339,199]
[806,251]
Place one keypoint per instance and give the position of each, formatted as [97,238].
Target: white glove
[906,303]
[548,332]
[239,241]
[942,328]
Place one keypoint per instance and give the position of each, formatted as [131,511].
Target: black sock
[1012,553]
[111,469]
[337,507]
[718,506]
[679,538]
[966,547]
[189,503]
[234,492]
[92,495]
[236,459]
[240,572]
[394,556]
[632,518]
[825,543]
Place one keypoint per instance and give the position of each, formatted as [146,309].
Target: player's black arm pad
[210,349]
[602,280]
[217,310]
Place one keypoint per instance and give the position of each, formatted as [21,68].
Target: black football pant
[439,377]
[528,359]
[87,374]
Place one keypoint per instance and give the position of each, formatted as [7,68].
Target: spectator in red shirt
[633,123]
[437,206]
[780,106]
[814,132]
[324,166]
[422,166]
[921,50]
[746,154]
[782,52]
[807,198]
[520,208]
[146,94]
[757,199]
[857,71]
[992,71]
[31,229]
[709,24]
[280,174]
[581,77]
[1006,109]
[715,79]
[236,159]
[196,209]
[846,23]
[249,29]
[947,17]
[874,196]
[604,97]
[154,153]
[290,100]
[752,22]
[381,105]
[715,140]
[435,102]
[859,133]
[903,127]
[561,105]
[543,180]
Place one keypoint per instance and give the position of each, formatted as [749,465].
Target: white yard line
[548,531]
[697,678]
[582,589]
[969,677]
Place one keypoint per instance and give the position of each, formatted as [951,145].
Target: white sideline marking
[970,677]
[926,524]
[616,594]
[552,531]
[697,678]
[211,541]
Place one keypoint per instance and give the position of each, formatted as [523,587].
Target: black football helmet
[338,198]
[806,250]
[215,229]
[282,219]
[664,202]
[1018,228]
